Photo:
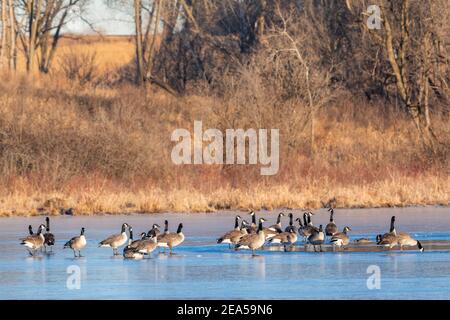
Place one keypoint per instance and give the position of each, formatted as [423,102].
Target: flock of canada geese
[245,235]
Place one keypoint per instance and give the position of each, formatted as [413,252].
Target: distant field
[111,51]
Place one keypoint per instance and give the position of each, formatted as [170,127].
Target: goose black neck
[331,215]
[279,218]
[82,232]
[305,219]
[419,245]
[180,227]
[291,219]
[392,228]
[236,223]
[254,218]
[260,226]
[30,229]
[131,234]
[47,220]
[166,226]
[123,228]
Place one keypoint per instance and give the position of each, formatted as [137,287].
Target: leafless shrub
[79,66]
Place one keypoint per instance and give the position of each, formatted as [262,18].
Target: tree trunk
[34,16]
[12,44]
[3,35]
[139,43]
[151,49]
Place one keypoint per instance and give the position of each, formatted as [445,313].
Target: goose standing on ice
[116,240]
[317,238]
[234,236]
[34,242]
[146,246]
[49,237]
[308,227]
[171,240]
[77,243]
[405,239]
[341,239]
[285,238]
[226,238]
[389,239]
[129,252]
[253,241]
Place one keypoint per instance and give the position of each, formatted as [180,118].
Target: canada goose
[154,231]
[308,228]
[341,239]
[331,227]
[34,242]
[49,237]
[236,235]
[388,239]
[362,240]
[317,238]
[129,252]
[404,239]
[277,227]
[30,230]
[226,238]
[253,241]
[285,238]
[116,240]
[401,238]
[77,243]
[291,224]
[172,240]
[146,246]
[135,243]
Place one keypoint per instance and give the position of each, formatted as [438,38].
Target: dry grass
[398,191]
[102,149]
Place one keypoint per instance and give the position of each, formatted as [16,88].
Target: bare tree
[40,25]
[412,44]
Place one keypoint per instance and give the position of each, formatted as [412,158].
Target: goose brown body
[34,242]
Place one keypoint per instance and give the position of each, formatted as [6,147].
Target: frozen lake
[201,269]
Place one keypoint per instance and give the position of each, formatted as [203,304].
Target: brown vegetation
[363,116]
[93,150]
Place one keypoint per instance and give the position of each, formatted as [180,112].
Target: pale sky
[104,19]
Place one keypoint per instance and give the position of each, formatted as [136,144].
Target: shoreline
[128,208]
[230,211]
